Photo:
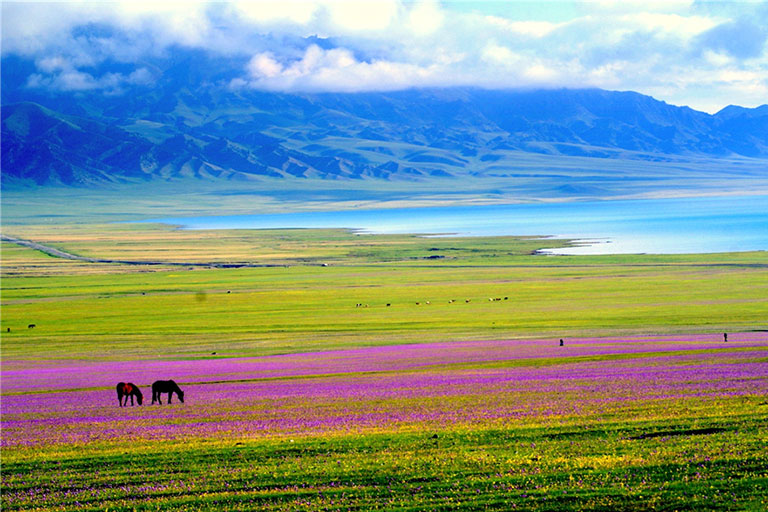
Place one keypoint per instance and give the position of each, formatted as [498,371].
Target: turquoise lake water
[653,226]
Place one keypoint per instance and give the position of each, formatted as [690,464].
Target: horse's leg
[126,401]
[170,396]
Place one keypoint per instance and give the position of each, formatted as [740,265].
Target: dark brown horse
[166,386]
[128,390]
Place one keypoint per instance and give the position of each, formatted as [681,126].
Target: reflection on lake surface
[659,226]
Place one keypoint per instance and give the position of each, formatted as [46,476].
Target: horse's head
[181,396]
[139,397]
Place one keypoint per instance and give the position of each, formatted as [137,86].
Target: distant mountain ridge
[208,131]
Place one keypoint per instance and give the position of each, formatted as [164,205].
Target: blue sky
[702,54]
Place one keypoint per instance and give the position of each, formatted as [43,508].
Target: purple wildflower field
[402,387]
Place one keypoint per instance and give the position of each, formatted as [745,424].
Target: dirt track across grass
[58,253]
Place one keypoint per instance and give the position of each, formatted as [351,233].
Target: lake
[653,226]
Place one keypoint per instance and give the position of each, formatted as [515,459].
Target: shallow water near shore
[653,226]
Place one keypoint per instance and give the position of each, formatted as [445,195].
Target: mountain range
[191,123]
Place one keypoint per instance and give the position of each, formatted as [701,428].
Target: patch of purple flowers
[392,387]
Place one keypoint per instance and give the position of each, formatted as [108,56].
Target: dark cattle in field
[31,326]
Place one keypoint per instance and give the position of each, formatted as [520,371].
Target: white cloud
[648,46]
[52,64]
[425,18]
[356,16]
[67,78]
[633,6]
[717,59]
[682,26]
[331,70]
[264,65]
[277,11]
[541,73]
[499,55]
[527,28]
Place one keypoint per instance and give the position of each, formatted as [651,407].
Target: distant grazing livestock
[725,337]
[468,301]
[388,304]
[561,342]
[166,386]
[8,330]
[128,390]
[31,326]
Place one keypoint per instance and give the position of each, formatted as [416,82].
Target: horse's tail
[120,389]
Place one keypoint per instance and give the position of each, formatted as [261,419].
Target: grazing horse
[128,390]
[166,386]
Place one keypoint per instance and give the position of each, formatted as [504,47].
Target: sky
[705,55]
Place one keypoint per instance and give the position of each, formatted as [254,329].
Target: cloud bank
[705,55]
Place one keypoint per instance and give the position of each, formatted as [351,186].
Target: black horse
[128,390]
[166,386]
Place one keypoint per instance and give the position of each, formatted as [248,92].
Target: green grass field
[135,311]
[648,448]
[536,468]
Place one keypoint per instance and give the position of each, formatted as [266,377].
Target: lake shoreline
[651,226]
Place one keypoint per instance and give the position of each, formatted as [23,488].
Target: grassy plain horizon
[438,288]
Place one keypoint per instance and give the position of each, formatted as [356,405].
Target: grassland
[492,417]
[301,305]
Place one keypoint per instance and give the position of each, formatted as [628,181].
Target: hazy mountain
[191,123]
